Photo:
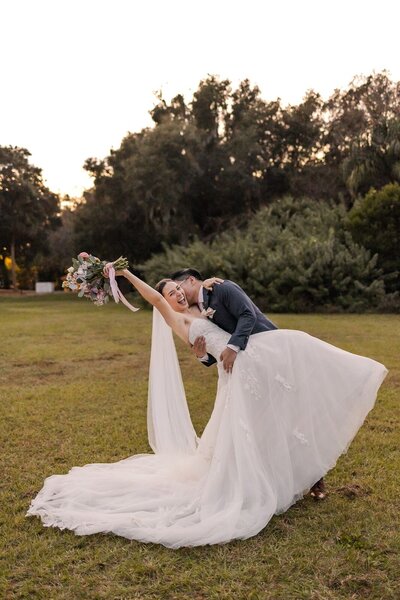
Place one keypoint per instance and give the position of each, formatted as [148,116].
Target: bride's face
[175,296]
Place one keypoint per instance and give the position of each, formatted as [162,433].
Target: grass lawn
[73,388]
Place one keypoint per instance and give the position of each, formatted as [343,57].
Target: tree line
[211,164]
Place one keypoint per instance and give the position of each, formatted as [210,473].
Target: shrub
[374,222]
[294,255]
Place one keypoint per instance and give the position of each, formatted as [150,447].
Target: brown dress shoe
[318,490]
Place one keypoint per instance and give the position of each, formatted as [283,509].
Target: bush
[294,255]
[374,222]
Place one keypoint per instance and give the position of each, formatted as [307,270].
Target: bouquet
[86,277]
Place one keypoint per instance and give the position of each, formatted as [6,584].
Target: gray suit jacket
[235,313]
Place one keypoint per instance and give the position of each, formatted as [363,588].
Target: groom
[230,308]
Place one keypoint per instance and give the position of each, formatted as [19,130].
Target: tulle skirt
[291,407]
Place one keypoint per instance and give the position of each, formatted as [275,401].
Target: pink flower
[83,255]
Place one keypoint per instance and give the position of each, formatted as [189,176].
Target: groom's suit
[235,313]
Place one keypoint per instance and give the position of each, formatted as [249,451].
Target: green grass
[73,388]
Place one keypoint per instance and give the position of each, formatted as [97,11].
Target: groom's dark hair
[185,273]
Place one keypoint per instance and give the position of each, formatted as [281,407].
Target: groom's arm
[208,360]
[239,305]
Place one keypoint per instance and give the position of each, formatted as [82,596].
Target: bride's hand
[107,268]
[209,283]
[199,347]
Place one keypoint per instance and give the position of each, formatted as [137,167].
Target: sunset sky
[77,75]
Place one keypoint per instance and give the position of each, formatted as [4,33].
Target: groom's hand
[228,357]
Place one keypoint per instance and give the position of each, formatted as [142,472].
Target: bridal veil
[170,429]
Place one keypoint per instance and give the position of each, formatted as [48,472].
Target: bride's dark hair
[161,285]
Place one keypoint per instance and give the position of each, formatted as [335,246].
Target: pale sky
[77,75]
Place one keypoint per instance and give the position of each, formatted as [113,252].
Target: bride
[289,408]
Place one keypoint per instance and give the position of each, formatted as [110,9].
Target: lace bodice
[216,338]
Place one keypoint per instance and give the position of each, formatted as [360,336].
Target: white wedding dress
[290,408]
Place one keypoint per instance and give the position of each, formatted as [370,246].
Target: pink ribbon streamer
[116,292]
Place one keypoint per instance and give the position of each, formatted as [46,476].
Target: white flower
[209,312]
[70,269]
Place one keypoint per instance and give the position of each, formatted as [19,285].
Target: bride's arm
[175,320]
[209,283]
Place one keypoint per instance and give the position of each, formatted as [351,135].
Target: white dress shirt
[200,304]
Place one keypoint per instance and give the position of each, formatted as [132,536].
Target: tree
[209,164]
[28,208]
[210,104]
[362,133]
[374,222]
[375,161]
[52,262]
[140,196]
[252,146]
